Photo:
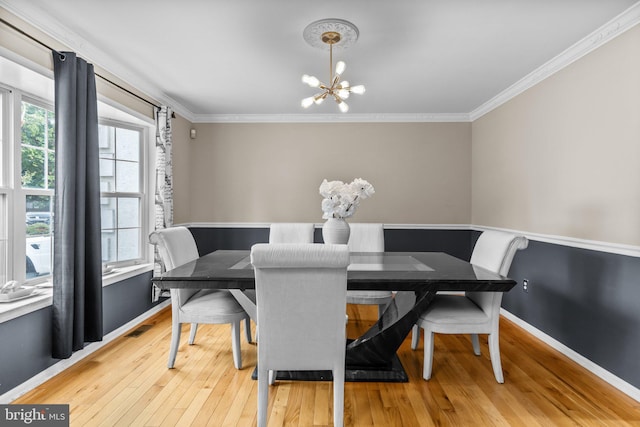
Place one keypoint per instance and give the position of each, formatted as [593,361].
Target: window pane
[106,137]
[39,235]
[51,173]
[33,125]
[108,212]
[127,177]
[107,175]
[51,134]
[108,246]
[128,244]
[32,167]
[38,143]
[128,213]
[127,144]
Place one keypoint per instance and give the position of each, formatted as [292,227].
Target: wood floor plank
[127,383]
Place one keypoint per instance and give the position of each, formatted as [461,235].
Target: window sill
[12,310]
[119,274]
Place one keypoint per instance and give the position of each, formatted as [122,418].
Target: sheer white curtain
[164,181]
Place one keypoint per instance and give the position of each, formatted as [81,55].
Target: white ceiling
[234,60]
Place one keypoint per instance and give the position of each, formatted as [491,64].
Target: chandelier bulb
[306,103]
[343,106]
[359,89]
[343,93]
[310,80]
[340,67]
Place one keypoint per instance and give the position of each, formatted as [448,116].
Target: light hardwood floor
[127,384]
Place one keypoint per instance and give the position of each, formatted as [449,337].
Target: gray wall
[26,340]
[587,300]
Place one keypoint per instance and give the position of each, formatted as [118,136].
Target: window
[37,145]
[121,177]
[27,179]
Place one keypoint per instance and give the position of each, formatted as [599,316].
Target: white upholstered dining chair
[474,312]
[176,246]
[291,232]
[301,295]
[368,237]
[279,232]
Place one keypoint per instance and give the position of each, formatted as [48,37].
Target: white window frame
[142,195]
[6,187]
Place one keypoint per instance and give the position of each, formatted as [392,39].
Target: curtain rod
[41,43]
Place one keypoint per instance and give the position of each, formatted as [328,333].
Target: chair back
[291,232]
[494,251]
[176,246]
[301,299]
[366,237]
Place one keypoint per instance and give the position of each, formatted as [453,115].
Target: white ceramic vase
[336,231]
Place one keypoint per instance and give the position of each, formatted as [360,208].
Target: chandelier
[329,33]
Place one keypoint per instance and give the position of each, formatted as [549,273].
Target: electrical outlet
[525,285]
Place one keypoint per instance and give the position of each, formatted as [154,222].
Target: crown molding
[329,118]
[612,29]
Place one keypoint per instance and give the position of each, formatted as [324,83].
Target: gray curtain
[77,256]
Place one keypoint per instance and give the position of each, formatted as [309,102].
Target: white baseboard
[602,373]
[63,364]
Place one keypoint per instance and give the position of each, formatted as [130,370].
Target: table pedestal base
[372,357]
[394,373]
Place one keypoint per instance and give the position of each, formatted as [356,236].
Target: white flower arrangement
[340,199]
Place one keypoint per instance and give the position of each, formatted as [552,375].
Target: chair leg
[272,377]
[247,329]
[415,336]
[192,334]
[428,355]
[494,352]
[235,344]
[338,397]
[175,342]
[263,396]
[475,342]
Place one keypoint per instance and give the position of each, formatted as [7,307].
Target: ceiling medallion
[327,34]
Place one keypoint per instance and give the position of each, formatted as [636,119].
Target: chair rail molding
[593,245]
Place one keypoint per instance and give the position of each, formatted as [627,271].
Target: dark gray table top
[400,271]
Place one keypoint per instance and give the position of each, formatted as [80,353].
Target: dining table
[415,278]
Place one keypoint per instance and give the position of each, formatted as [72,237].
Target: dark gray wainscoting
[587,300]
[454,242]
[26,340]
